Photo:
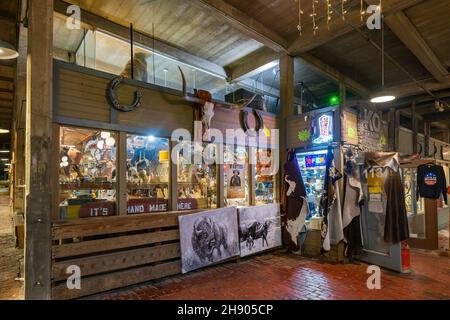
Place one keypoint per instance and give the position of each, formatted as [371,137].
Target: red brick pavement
[284,276]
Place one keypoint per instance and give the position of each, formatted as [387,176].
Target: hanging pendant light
[7,51]
[383,98]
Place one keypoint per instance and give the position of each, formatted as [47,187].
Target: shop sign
[304,135]
[236,181]
[187,204]
[146,205]
[97,209]
[369,129]
[323,129]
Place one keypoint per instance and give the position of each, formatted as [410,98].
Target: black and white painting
[259,228]
[208,238]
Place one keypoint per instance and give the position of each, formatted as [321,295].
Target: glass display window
[148,165]
[264,177]
[87,175]
[196,177]
[236,176]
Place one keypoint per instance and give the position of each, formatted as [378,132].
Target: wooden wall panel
[230,119]
[350,127]
[80,94]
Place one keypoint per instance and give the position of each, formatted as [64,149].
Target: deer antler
[241,104]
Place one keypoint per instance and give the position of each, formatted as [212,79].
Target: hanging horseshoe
[113,100]
[435,150]
[244,123]
[420,149]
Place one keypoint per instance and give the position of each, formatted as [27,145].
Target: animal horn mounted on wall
[240,105]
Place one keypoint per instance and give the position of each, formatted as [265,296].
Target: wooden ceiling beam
[145,40]
[412,88]
[403,28]
[242,22]
[252,64]
[339,27]
[438,117]
[335,74]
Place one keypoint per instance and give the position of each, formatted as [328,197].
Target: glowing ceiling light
[382,99]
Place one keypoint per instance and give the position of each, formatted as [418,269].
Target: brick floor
[280,276]
[10,256]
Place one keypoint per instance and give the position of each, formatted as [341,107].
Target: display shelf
[87,185]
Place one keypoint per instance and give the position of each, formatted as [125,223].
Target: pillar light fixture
[7,51]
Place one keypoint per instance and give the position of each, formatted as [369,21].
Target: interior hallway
[10,256]
[284,276]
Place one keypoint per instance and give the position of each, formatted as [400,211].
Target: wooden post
[414,126]
[173,179]
[286,103]
[121,174]
[252,175]
[394,127]
[38,157]
[427,132]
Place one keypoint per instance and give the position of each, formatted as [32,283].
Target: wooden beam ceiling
[252,64]
[437,117]
[145,40]
[336,75]
[243,22]
[400,24]
[339,27]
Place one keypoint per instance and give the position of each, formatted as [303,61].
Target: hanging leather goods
[245,126]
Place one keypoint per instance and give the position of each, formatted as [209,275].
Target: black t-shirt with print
[431,182]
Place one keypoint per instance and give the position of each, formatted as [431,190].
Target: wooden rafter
[339,27]
[243,22]
[400,24]
[252,64]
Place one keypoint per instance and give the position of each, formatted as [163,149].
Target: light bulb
[105,135]
[100,144]
[110,142]
[64,159]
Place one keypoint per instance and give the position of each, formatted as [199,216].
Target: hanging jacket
[431,182]
[294,204]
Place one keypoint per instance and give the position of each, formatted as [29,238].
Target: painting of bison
[208,238]
[259,228]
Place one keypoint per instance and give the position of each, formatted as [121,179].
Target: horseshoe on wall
[114,101]
[244,123]
[420,149]
[435,150]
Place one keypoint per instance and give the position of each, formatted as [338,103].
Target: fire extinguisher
[406,257]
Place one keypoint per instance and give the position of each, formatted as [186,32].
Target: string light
[314,15]
[300,13]
[329,13]
[343,11]
[362,11]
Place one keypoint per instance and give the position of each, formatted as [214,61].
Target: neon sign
[315,160]
[325,129]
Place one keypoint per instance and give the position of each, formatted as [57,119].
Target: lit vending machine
[312,166]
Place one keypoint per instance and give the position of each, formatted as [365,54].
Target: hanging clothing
[353,199]
[386,178]
[396,226]
[330,206]
[431,182]
[294,205]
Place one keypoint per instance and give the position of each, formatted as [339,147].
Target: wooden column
[415,129]
[121,174]
[38,157]
[426,144]
[286,102]
[393,127]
